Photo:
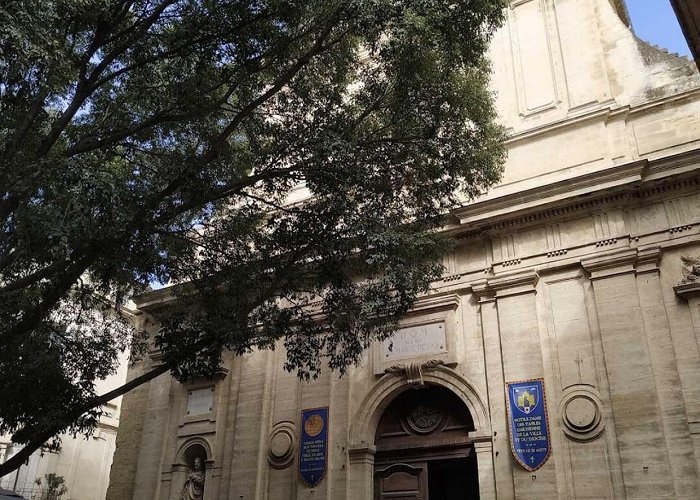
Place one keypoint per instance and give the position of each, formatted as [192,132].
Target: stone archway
[362,432]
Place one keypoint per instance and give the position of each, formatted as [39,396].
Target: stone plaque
[200,401]
[416,341]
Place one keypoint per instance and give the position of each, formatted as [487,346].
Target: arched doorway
[423,448]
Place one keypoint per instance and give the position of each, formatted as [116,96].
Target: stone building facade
[83,463]
[576,269]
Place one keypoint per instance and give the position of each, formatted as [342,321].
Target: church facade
[557,358]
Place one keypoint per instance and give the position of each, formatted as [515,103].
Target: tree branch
[16,461]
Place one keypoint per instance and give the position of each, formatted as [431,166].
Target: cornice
[482,289]
[547,195]
[154,299]
[603,111]
[638,179]
[434,303]
[514,283]
[572,120]
[611,263]
[687,290]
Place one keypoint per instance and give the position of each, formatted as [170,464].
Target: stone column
[634,398]
[361,474]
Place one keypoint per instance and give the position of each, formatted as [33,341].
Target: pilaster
[690,292]
[666,375]
[361,475]
[635,403]
[484,460]
[500,448]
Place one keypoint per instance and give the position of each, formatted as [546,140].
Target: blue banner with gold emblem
[529,429]
[313,446]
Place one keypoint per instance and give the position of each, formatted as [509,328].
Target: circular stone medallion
[424,418]
[581,412]
[280,445]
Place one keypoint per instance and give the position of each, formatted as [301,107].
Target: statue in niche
[691,270]
[194,485]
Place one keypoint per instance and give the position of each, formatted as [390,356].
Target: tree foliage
[288,160]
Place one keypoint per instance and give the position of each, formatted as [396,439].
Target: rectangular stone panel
[416,341]
[533,56]
[200,401]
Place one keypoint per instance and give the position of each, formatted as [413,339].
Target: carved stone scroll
[414,371]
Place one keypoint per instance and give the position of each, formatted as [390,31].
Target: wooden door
[402,482]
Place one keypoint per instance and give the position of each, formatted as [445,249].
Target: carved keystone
[414,371]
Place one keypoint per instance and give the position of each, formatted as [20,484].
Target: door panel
[402,482]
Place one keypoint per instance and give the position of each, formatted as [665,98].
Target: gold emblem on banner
[313,425]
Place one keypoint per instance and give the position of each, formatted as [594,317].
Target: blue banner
[313,447]
[529,429]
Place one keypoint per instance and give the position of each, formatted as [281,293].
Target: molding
[362,454]
[155,299]
[201,382]
[280,455]
[604,111]
[435,302]
[514,284]
[483,291]
[413,372]
[648,260]
[365,419]
[432,309]
[687,290]
[611,264]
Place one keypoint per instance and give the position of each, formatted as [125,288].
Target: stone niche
[426,334]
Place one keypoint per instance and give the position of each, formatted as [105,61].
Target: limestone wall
[581,295]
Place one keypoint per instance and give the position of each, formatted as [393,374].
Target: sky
[655,22]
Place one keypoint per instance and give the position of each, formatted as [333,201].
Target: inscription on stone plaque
[416,341]
[200,401]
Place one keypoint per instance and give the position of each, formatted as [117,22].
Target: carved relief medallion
[424,418]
